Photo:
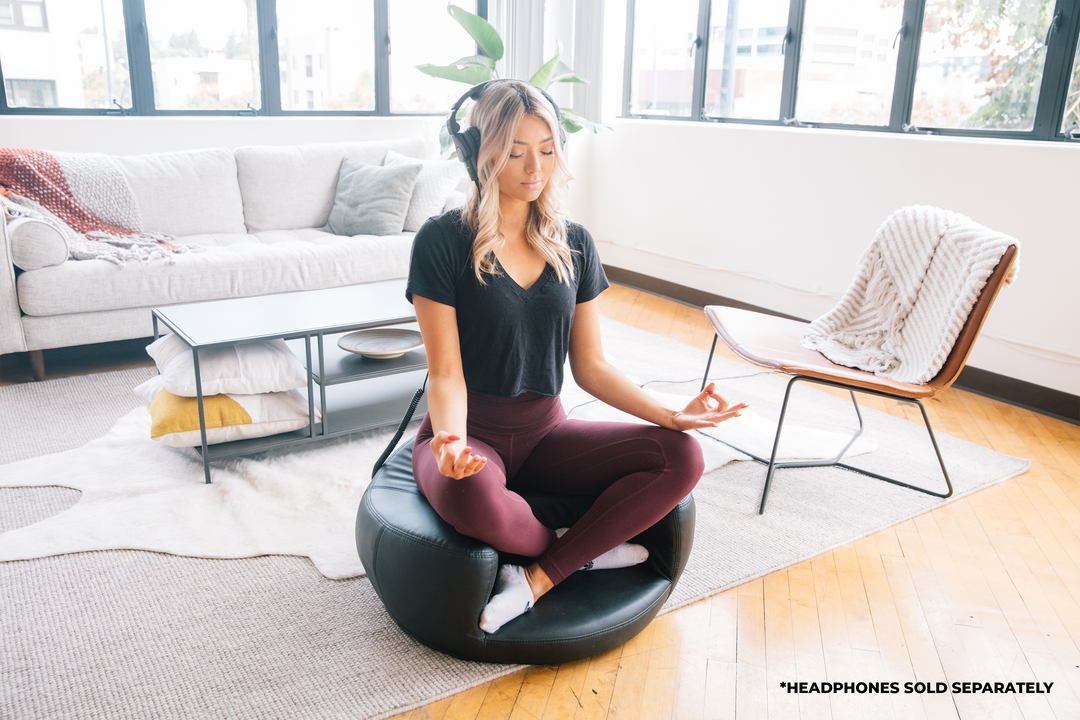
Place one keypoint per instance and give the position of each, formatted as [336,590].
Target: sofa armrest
[11,329]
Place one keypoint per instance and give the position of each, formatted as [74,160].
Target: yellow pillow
[174,420]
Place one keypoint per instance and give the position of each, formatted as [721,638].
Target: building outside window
[64,54]
[197,38]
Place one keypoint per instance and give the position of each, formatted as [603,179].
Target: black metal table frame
[307,336]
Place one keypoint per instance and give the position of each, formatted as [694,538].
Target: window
[76,61]
[997,69]
[662,81]
[1070,123]
[31,93]
[834,87]
[981,65]
[200,38]
[421,31]
[741,84]
[340,30]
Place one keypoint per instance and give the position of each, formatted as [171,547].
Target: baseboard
[1044,400]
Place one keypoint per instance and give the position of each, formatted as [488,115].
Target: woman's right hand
[454,457]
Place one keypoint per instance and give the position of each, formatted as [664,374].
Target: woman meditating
[503,289]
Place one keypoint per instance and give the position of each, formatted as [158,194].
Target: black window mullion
[138,47]
[1057,70]
[269,57]
[701,55]
[792,49]
[628,59]
[907,64]
[382,57]
[3,91]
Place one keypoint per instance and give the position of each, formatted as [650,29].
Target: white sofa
[257,211]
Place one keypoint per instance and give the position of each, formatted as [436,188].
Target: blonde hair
[497,113]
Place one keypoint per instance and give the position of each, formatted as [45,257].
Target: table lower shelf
[351,408]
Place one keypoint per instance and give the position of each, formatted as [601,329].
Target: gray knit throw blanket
[87,199]
[914,289]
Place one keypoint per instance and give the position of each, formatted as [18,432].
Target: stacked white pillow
[249,391]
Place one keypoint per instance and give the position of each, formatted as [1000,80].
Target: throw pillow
[35,244]
[437,179]
[248,368]
[371,200]
[174,420]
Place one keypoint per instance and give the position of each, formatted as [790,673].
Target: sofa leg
[37,364]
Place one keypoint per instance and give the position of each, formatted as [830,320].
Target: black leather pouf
[435,581]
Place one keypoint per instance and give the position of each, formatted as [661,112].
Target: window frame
[142,84]
[1057,73]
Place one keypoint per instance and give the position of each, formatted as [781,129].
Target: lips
[532,184]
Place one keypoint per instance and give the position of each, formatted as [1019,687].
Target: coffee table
[365,392]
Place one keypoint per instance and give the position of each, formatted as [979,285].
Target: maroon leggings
[638,472]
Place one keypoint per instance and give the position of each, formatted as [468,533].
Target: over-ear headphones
[468,142]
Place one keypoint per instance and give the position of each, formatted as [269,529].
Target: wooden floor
[985,589]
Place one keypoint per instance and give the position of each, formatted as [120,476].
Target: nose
[532,161]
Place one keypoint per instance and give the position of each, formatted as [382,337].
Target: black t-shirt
[512,340]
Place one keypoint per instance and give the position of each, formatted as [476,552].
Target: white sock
[512,597]
[620,556]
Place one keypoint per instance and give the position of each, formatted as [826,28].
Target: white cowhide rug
[138,494]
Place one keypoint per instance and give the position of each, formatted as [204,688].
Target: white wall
[136,135]
[779,217]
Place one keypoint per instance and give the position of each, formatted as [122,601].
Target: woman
[503,289]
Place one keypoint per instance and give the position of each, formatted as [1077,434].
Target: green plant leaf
[470,75]
[486,37]
[573,122]
[475,61]
[563,73]
[542,77]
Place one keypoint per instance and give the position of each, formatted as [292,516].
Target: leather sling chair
[774,343]
[434,581]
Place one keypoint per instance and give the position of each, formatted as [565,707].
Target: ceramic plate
[381,343]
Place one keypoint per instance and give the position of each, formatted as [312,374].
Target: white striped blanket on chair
[914,289]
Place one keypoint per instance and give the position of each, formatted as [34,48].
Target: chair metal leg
[773,465]
[705,379]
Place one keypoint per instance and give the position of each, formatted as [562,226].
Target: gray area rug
[131,634]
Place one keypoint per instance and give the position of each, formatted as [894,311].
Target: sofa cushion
[293,187]
[185,193]
[275,262]
[372,200]
[434,185]
[35,244]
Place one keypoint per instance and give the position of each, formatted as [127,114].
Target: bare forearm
[448,402]
[608,384]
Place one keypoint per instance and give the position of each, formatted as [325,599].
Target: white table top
[330,310]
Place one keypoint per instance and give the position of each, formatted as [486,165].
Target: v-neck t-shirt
[512,339]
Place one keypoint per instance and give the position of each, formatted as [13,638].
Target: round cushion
[434,581]
[35,244]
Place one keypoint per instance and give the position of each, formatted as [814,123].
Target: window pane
[847,64]
[326,54]
[421,31]
[1071,120]
[663,60]
[204,54]
[746,64]
[980,65]
[74,57]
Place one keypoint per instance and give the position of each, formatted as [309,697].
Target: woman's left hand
[707,409]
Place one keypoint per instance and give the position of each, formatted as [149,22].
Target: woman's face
[532,158]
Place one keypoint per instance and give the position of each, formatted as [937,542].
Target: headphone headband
[468,142]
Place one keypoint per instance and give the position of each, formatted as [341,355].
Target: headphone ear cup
[468,147]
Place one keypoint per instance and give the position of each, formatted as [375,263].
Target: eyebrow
[546,140]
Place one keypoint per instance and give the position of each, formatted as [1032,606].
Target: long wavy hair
[497,113]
